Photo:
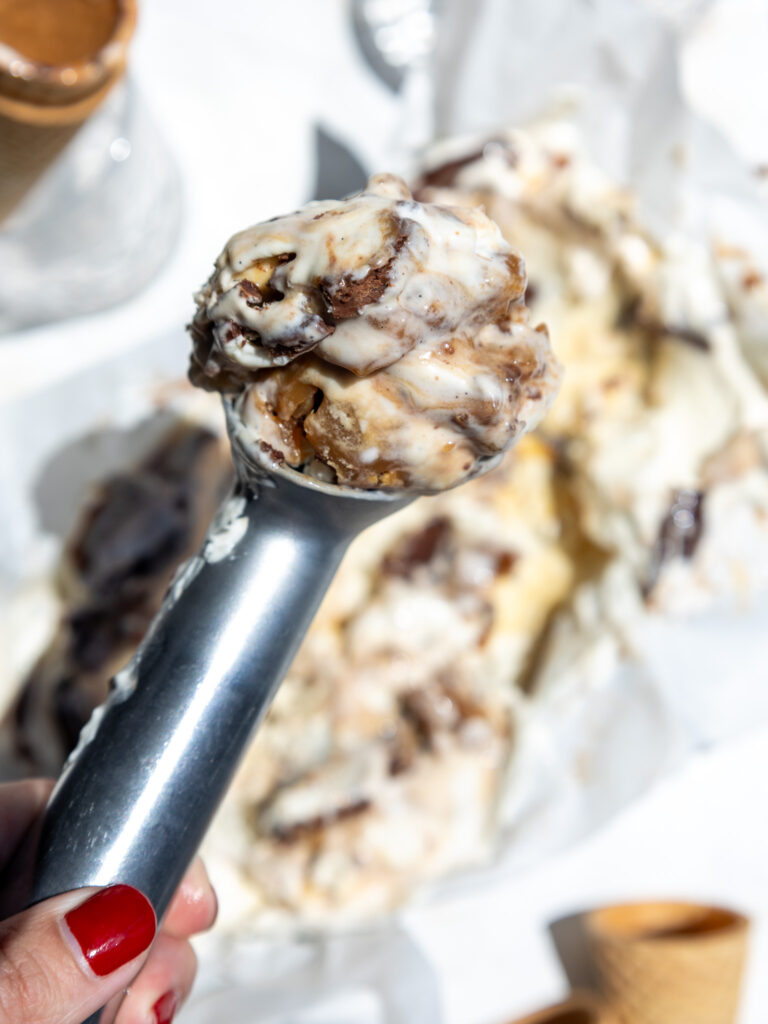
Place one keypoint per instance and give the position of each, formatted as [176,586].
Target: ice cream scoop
[137,794]
[375,342]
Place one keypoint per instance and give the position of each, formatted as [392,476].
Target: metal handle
[137,795]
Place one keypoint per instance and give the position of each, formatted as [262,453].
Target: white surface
[236,87]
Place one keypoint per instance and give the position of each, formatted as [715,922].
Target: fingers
[163,985]
[194,907]
[65,958]
[20,804]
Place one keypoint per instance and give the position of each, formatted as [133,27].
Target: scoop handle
[136,796]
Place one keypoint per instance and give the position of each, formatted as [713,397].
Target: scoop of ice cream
[374,342]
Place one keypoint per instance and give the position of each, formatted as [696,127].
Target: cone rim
[43,94]
[676,922]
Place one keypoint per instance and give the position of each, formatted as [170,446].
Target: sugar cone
[670,963]
[42,109]
[579,1008]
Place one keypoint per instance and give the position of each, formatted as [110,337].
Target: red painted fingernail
[112,927]
[165,1007]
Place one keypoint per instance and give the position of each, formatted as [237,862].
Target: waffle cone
[32,137]
[670,963]
[25,153]
[579,1008]
[41,110]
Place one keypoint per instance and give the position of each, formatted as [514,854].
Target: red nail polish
[165,1007]
[112,927]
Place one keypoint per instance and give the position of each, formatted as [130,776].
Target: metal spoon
[136,796]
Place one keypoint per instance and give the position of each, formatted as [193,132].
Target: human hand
[63,959]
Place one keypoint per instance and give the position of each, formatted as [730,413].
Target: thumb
[62,960]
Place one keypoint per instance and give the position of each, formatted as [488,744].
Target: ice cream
[375,342]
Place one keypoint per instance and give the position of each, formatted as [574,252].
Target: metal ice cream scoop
[152,765]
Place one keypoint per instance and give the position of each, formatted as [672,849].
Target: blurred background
[637,774]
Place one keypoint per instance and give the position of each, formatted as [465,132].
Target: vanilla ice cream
[374,342]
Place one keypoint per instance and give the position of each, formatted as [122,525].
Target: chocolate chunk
[138,528]
[428,711]
[348,295]
[417,549]
[251,293]
[213,369]
[444,175]
[178,453]
[98,630]
[679,533]
[531,293]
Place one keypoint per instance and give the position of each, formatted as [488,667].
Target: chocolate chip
[251,293]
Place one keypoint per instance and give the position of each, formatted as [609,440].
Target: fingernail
[112,927]
[165,1007]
